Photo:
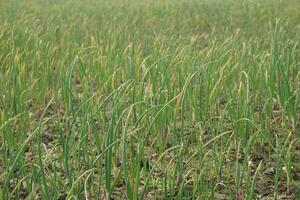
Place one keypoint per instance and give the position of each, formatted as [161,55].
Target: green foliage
[171,99]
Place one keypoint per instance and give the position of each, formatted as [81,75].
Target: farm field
[170,99]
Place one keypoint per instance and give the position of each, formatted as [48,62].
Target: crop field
[149,99]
